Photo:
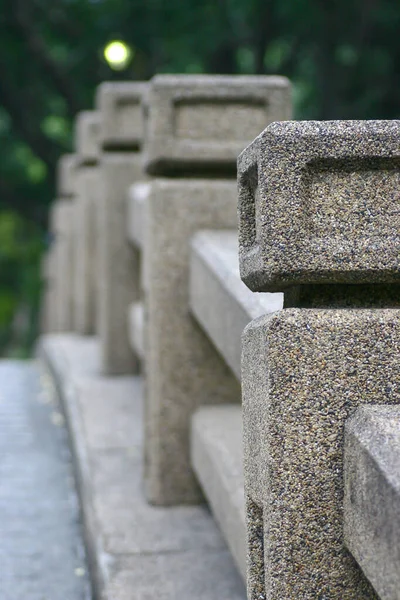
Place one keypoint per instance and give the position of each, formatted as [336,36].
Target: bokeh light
[118,55]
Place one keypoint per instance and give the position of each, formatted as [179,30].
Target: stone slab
[203,122]
[117,488]
[122,106]
[183,369]
[87,136]
[66,167]
[372,495]
[318,203]
[98,412]
[304,373]
[118,262]
[133,546]
[136,328]
[217,459]
[220,301]
[85,274]
[198,575]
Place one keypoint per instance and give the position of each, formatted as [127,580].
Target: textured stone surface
[372,495]
[203,122]
[304,373]
[69,353]
[198,575]
[85,272]
[217,458]
[41,542]
[87,136]
[183,370]
[122,107]
[220,301]
[98,412]
[136,328]
[137,551]
[117,488]
[66,175]
[118,262]
[62,214]
[319,203]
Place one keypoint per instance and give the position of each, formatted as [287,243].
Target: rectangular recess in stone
[87,136]
[66,171]
[319,202]
[304,372]
[204,122]
[122,108]
[372,495]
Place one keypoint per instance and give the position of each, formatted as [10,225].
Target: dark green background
[341,55]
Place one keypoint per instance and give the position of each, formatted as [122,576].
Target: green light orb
[118,55]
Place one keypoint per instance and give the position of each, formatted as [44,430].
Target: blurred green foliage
[341,56]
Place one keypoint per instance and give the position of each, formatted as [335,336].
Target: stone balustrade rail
[148,260]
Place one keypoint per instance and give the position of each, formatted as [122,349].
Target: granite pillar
[318,220]
[59,282]
[197,126]
[122,115]
[86,202]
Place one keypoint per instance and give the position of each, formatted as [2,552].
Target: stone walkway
[138,551]
[41,547]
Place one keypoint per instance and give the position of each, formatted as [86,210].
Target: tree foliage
[341,56]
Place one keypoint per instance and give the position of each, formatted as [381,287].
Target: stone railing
[145,259]
[319,220]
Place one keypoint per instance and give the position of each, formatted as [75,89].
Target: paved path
[41,549]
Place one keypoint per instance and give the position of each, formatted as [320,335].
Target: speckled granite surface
[304,372]
[319,203]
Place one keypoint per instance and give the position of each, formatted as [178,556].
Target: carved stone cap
[319,202]
[66,173]
[203,122]
[122,108]
[87,136]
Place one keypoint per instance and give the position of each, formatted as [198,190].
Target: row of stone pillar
[183,135]
[313,222]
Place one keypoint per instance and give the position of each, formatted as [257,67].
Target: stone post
[60,275]
[46,305]
[319,218]
[197,126]
[121,108]
[87,132]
